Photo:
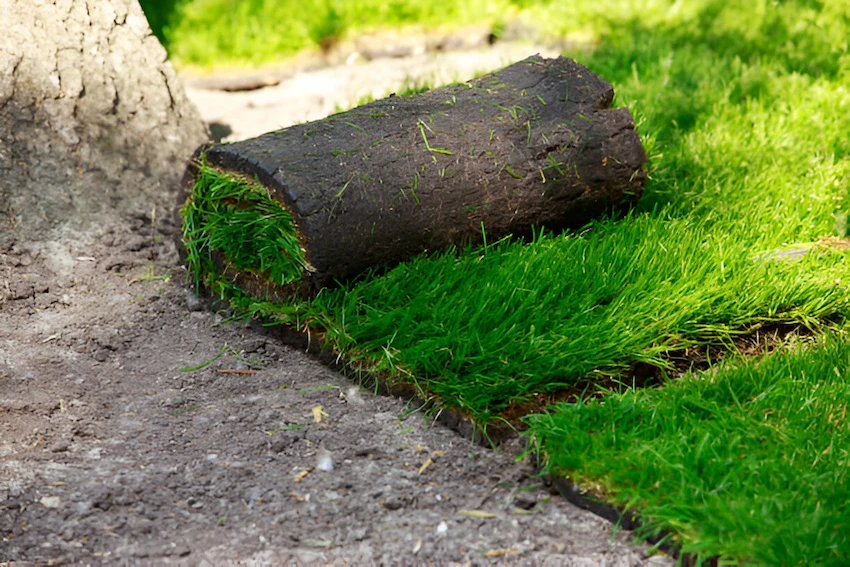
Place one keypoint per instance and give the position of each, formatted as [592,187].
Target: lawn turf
[736,177]
[744,108]
[748,462]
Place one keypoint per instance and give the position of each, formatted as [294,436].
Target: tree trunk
[94,125]
[534,144]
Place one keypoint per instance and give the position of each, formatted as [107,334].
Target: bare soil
[113,450]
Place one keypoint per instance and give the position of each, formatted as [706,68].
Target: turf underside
[744,108]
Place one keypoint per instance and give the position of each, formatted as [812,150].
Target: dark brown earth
[109,451]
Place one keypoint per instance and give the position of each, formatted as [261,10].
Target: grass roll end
[236,219]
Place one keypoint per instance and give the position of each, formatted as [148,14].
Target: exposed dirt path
[108,451]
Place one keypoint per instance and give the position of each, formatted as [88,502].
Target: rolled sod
[535,144]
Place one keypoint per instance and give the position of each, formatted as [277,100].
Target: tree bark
[534,144]
[94,125]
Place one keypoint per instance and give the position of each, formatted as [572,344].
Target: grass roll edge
[237,219]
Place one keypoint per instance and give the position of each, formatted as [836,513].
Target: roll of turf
[534,144]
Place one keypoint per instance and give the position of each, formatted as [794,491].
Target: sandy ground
[113,450]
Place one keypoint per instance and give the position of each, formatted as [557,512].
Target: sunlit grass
[802,36]
[748,462]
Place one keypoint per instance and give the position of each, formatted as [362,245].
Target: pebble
[253,496]
[50,501]
[193,302]
[68,534]
[136,243]
[282,441]
[60,447]
[324,461]
[524,501]
[393,503]
[352,396]
[83,508]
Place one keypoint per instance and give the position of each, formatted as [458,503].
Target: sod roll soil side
[534,144]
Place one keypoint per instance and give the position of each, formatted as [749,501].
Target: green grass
[211,33]
[237,219]
[748,462]
[744,108]
[215,32]
[738,171]
[801,35]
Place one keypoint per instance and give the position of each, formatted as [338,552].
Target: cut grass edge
[306,325]
[623,516]
[331,343]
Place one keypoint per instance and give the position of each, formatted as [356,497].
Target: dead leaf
[318,414]
[476,514]
[417,546]
[300,476]
[428,462]
[500,552]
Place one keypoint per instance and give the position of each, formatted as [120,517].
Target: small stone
[178,550]
[353,397]
[60,447]
[442,529]
[50,501]
[193,302]
[253,496]
[119,261]
[256,345]
[393,503]
[324,461]
[282,442]
[525,501]
[123,499]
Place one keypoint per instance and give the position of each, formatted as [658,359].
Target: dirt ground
[112,449]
